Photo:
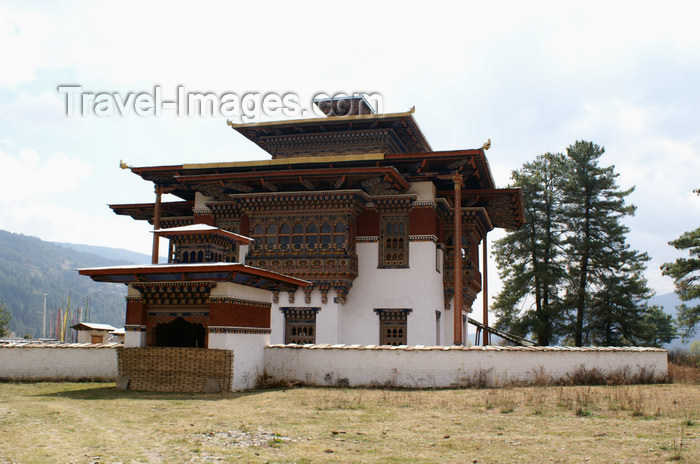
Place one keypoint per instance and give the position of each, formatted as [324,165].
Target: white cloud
[26,176]
[43,109]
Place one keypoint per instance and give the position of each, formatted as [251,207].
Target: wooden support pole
[485,291]
[156,226]
[458,260]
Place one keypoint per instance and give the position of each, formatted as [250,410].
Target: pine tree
[607,290]
[686,276]
[528,258]
[5,317]
[569,272]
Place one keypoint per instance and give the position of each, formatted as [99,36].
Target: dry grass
[94,422]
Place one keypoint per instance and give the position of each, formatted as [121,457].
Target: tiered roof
[376,153]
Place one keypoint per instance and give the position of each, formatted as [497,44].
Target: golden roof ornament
[413,109]
[123,165]
[486,145]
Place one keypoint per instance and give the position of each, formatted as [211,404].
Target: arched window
[312,234]
[200,257]
[258,236]
[339,234]
[284,235]
[298,236]
[326,233]
[271,235]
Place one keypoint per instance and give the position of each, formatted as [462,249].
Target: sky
[533,77]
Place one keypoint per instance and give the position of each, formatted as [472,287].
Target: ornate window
[300,325]
[258,236]
[298,237]
[285,233]
[393,241]
[339,234]
[311,235]
[271,236]
[393,326]
[326,235]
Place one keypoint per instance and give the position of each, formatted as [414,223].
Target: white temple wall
[277,323]
[440,367]
[248,356]
[328,319]
[424,191]
[418,287]
[200,202]
[447,322]
[243,292]
[134,339]
[243,253]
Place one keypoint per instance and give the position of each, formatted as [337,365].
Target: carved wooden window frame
[393,326]
[300,234]
[393,241]
[299,325]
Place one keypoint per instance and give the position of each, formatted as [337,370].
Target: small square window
[300,325]
[393,326]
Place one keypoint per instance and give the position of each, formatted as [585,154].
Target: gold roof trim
[288,161]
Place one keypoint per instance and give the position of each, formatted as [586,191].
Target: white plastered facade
[419,288]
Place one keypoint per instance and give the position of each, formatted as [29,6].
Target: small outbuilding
[90,332]
[117,336]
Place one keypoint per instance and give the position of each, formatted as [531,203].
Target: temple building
[346,235]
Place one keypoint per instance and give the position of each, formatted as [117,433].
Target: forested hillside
[30,268]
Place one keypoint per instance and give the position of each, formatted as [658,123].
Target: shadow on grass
[109,391]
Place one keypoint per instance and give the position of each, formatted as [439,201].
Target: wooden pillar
[156,226]
[458,261]
[485,291]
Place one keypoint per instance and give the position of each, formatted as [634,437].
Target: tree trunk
[583,277]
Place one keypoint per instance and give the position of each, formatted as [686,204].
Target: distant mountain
[668,303]
[116,254]
[30,268]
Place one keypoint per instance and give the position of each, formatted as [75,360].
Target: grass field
[94,422]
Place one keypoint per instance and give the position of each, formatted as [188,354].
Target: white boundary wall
[441,367]
[353,365]
[58,362]
[247,356]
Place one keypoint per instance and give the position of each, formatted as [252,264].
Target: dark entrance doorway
[180,333]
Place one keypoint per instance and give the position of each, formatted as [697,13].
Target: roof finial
[486,145]
[123,165]
[413,109]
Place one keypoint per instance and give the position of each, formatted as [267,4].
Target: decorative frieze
[423,238]
[170,311]
[134,328]
[239,301]
[348,200]
[393,202]
[174,293]
[237,330]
